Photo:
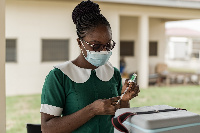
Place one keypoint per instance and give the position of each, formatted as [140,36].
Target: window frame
[41,49]
[16,50]
[133,50]
[157,42]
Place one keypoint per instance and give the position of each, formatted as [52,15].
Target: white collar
[81,75]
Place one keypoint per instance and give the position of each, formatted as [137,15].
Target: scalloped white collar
[81,75]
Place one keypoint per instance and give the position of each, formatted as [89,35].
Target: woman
[80,96]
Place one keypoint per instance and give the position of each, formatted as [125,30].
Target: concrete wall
[129,31]
[31,21]
[2,68]
[157,33]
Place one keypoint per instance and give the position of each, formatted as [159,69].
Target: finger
[126,81]
[132,88]
[128,90]
[132,94]
[112,109]
[113,103]
[136,94]
[114,99]
[132,83]
[138,91]
[136,88]
[117,107]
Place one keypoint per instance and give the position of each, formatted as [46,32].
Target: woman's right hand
[105,106]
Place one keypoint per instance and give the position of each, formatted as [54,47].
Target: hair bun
[83,8]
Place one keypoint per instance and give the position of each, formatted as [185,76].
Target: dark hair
[87,16]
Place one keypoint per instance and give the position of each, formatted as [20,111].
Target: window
[196,44]
[126,48]
[195,55]
[153,48]
[11,52]
[55,49]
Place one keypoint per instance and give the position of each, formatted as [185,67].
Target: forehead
[100,33]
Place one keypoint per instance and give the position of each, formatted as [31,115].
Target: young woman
[80,96]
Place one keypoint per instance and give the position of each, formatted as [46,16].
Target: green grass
[21,110]
[26,109]
[187,97]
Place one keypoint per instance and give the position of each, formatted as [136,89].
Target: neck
[81,62]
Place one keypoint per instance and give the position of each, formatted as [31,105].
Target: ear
[79,42]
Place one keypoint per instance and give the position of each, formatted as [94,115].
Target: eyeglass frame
[92,45]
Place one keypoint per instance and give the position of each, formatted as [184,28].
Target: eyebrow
[97,41]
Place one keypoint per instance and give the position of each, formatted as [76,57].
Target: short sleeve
[53,94]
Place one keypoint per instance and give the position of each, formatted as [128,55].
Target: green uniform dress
[69,88]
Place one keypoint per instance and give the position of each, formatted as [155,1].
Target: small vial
[133,78]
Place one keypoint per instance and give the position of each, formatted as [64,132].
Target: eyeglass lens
[99,47]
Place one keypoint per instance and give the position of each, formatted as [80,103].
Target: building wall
[185,49]
[129,32]
[31,21]
[2,68]
[157,33]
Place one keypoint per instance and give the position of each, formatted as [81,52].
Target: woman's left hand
[133,90]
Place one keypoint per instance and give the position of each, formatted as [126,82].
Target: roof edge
[162,3]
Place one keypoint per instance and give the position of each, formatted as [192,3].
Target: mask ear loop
[82,50]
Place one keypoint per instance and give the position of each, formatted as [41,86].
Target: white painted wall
[157,33]
[113,18]
[129,31]
[31,21]
[2,68]
[180,48]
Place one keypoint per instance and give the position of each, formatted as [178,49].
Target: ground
[26,109]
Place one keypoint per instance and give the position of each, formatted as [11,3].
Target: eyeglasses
[100,47]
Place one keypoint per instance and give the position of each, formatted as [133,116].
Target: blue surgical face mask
[96,58]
